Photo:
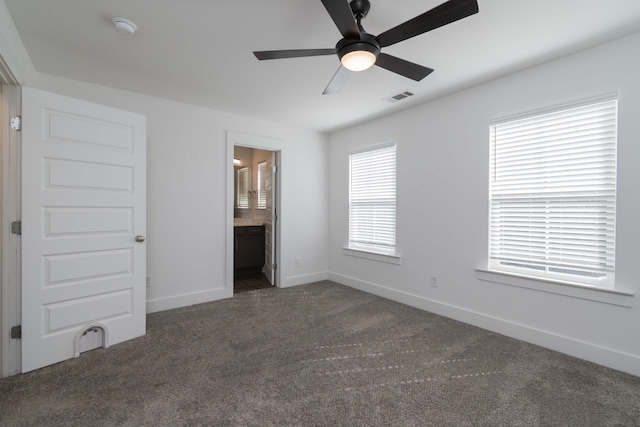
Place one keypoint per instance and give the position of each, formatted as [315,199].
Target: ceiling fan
[359,50]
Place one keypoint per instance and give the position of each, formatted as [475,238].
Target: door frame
[261,143]
[10,309]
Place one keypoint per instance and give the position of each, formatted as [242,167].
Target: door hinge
[275,169]
[16,227]
[16,123]
[275,266]
[275,218]
[16,332]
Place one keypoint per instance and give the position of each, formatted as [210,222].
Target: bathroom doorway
[254,218]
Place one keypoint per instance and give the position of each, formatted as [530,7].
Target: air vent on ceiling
[400,96]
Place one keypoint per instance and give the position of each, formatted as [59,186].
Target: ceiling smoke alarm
[125,26]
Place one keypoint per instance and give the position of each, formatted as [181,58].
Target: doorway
[253,225]
[253,207]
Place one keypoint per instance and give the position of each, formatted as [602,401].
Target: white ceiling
[200,51]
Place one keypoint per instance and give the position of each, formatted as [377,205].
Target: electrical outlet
[148,281]
[296,262]
[433,280]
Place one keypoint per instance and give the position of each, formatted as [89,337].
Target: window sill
[607,296]
[374,256]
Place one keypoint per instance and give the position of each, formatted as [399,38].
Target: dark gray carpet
[316,355]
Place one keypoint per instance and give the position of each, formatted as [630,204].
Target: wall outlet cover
[433,280]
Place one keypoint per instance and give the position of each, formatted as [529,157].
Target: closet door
[83,225]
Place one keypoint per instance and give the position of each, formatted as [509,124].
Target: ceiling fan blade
[444,14]
[341,13]
[295,53]
[404,68]
[337,81]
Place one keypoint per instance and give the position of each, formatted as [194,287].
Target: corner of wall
[305,279]
[13,52]
[186,299]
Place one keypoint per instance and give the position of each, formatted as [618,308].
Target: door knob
[139,238]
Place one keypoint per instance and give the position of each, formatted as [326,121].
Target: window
[242,188]
[262,185]
[553,195]
[372,200]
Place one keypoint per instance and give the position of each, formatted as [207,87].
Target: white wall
[443,167]
[186,203]
[13,53]
[187,190]
[187,186]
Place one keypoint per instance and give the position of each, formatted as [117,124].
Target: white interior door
[270,224]
[83,203]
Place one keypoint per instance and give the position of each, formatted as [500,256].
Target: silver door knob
[139,238]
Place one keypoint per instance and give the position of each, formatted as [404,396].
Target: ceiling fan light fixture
[358,60]
[358,55]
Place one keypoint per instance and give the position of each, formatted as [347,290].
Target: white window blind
[372,200]
[553,194]
[242,195]
[262,185]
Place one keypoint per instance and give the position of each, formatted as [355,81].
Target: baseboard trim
[183,300]
[583,350]
[305,278]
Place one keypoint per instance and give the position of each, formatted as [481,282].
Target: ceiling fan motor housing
[360,7]
[366,42]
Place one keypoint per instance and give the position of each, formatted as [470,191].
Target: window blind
[262,185]
[372,200]
[553,193]
[242,196]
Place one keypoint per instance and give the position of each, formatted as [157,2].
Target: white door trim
[10,353]
[261,143]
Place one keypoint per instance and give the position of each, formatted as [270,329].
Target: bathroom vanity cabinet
[249,249]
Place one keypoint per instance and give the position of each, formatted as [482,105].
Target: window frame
[606,283]
[374,251]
